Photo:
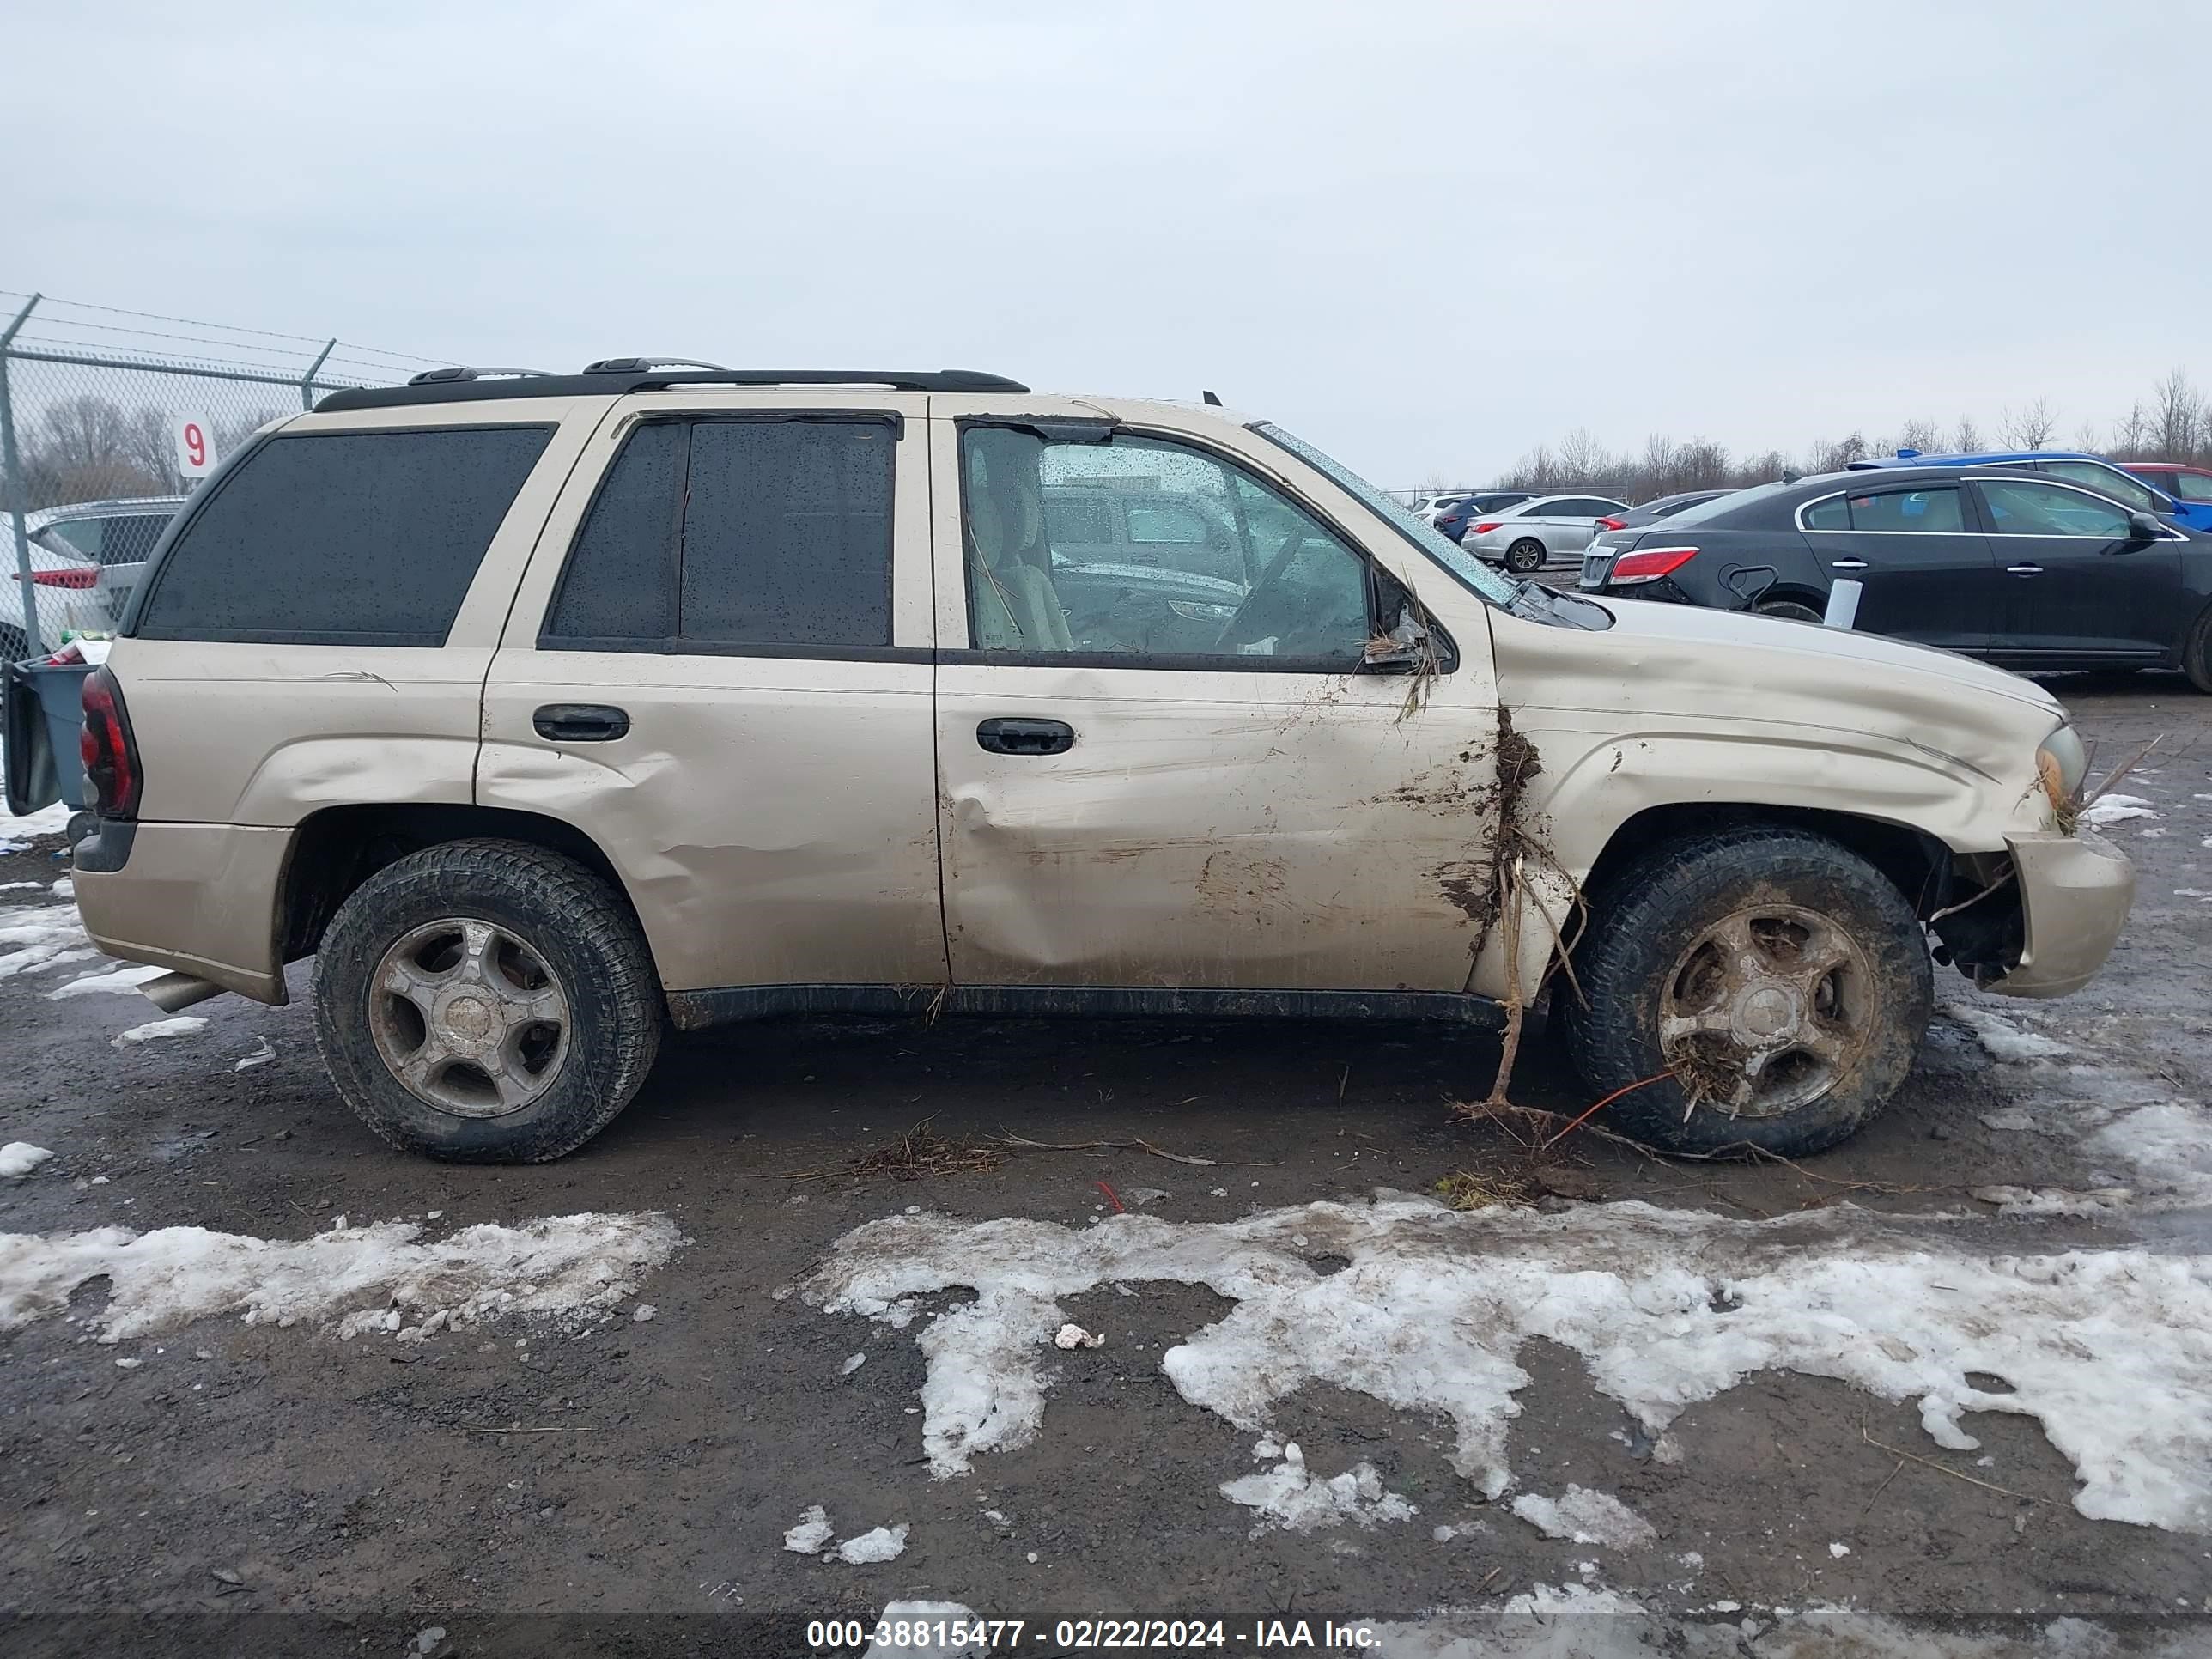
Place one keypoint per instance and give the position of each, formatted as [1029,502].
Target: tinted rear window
[343,538]
[734,534]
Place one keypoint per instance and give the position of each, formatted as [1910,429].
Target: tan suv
[544,711]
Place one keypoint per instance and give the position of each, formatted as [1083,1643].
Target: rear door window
[1928,512]
[342,537]
[734,536]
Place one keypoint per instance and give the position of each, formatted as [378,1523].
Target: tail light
[1611,523]
[1648,564]
[110,754]
[1485,526]
[75,576]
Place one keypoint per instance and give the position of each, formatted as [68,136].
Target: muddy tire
[1782,978]
[2196,653]
[1525,555]
[486,1002]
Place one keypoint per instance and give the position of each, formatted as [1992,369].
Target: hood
[1795,653]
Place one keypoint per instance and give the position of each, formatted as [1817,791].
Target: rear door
[1570,524]
[1928,575]
[719,668]
[2079,583]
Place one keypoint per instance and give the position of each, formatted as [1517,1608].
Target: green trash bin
[41,712]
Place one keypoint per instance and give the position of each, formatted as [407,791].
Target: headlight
[2062,763]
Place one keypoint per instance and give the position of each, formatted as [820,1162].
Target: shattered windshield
[1470,571]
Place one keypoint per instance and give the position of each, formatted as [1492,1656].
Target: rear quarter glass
[342,537]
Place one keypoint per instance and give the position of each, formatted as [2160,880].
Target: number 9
[195,443]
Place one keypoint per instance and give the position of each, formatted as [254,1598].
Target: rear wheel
[1775,982]
[1525,555]
[1789,610]
[486,1002]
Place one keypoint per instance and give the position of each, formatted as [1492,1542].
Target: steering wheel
[1262,591]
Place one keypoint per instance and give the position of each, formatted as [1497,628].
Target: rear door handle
[1847,564]
[580,722]
[1020,737]
[2023,570]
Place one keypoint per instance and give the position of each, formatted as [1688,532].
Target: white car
[1425,508]
[1528,537]
[73,549]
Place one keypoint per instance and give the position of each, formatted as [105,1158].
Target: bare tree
[1969,437]
[1925,436]
[2028,428]
[2177,417]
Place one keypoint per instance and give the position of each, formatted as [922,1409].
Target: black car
[1454,520]
[2024,571]
[1658,508]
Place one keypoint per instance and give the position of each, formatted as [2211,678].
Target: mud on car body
[545,711]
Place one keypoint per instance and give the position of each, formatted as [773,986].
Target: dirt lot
[629,1481]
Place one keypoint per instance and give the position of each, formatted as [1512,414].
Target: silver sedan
[1528,537]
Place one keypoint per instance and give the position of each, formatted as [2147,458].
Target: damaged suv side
[546,711]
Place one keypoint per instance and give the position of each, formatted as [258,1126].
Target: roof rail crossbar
[634,364]
[614,377]
[470,372]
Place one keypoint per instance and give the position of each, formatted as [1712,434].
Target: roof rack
[615,376]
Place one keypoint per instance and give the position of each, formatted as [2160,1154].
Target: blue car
[2093,471]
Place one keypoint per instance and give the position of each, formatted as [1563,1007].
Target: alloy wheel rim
[1766,1010]
[468,1017]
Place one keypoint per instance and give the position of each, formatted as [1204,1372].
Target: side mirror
[2142,527]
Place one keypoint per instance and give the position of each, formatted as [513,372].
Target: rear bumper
[196,899]
[2074,892]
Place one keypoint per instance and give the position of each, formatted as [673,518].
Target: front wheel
[1525,555]
[2196,653]
[486,1002]
[1775,982]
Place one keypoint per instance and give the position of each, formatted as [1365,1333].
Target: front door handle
[1018,737]
[579,722]
[1847,564]
[2023,570]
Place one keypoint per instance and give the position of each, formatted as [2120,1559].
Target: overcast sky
[1425,236]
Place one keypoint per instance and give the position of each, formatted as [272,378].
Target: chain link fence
[102,407]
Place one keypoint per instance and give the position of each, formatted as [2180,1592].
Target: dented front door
[1117,813]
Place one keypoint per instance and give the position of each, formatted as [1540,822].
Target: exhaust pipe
[173,991]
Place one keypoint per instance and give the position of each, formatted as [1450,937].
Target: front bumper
[2074,891]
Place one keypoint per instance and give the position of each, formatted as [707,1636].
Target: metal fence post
[11,475]
[307,380]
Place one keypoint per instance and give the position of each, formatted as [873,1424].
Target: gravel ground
[241,1471]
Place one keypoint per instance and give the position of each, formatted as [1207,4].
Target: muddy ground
[291,1474]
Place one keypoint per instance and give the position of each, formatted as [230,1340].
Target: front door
[1927,576]
[1178,775]
[716,671]
[2079,583]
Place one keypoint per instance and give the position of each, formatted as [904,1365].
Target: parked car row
[2015,562]
[85,559]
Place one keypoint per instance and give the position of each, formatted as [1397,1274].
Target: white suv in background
[77,552]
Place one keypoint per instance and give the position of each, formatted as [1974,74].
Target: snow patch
[155,1029]
[1295,1499]
[18,1158]
[878,1544]
[1583,1516]
[2109,1349]
[811,1533]
[2117,809]
[122,981]
[173,1275]
[2003,1039]
[41,937]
